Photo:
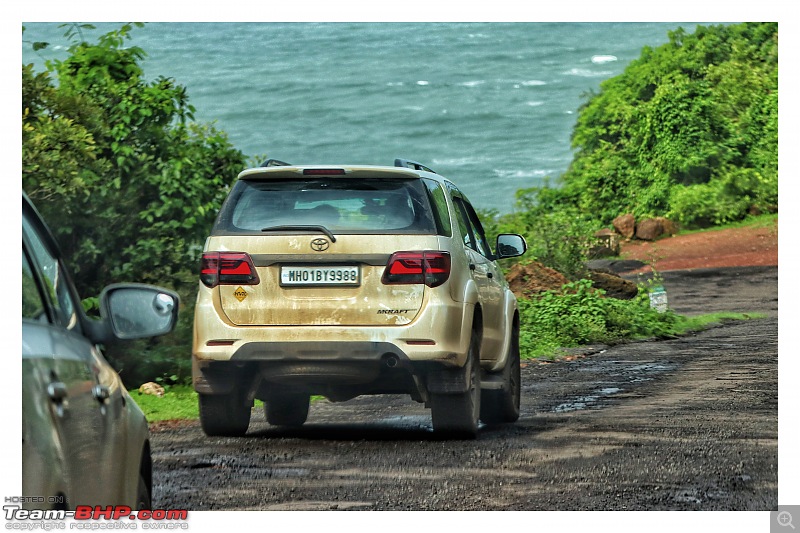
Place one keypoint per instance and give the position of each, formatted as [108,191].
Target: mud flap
[211,378]
[445,380]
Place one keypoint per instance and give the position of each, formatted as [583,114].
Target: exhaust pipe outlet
[391,361]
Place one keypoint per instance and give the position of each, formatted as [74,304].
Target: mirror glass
[137,312]
[510,245]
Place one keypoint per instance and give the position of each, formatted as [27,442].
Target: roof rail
[412,164]
[275,163]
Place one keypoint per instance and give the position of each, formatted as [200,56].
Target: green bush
[178,403]
[688,130]
[725,199]
[578,314]
[559,240]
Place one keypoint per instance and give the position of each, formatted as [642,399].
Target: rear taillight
[430,268]
[227,268]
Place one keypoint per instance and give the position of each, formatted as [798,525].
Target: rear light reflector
[221,342]
[421,342]
[425,267]
[227,268]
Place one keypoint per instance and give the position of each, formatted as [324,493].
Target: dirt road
[686,424]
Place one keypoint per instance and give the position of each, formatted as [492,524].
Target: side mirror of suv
[135,311]
[510,245]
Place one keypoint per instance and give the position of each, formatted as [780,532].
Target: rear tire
[456,415]
[224,415]
[287,410]
[501,406]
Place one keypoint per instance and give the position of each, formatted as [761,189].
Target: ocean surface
[490,105]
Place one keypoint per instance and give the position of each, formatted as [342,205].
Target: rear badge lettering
[393,311]
[240,294]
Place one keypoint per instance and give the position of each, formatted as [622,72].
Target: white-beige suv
[347,280]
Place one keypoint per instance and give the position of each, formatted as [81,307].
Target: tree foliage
[127,180]
[689,131]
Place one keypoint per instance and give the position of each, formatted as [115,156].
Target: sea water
[490,105]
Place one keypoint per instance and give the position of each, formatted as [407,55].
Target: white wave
[395,84]
[474,83]
[534,104]
[423,82]
[521,174]
[586,73]
[600,59]
[532,83]
[459,161]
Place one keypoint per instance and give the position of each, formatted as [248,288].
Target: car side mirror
[135,311]
[510,245]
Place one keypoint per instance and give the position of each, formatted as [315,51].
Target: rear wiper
[321,229]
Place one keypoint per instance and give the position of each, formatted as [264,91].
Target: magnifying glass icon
[785,519]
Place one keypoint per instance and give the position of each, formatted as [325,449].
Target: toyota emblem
[320,245]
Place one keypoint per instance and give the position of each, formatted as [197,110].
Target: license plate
[320,275]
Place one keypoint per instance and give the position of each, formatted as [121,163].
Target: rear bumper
[339,370]
[301,364]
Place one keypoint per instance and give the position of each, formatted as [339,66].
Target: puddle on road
[643,372]
[583,402]
[622,372]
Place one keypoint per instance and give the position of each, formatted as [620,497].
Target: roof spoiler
[275,163]
[407,163]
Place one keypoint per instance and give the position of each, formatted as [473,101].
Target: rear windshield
[341,205]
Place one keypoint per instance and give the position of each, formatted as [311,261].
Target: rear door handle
[101,393]
[57,392]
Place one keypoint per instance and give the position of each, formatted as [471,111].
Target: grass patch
[701,322]
[178,403]
[761,221]
[682,325]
